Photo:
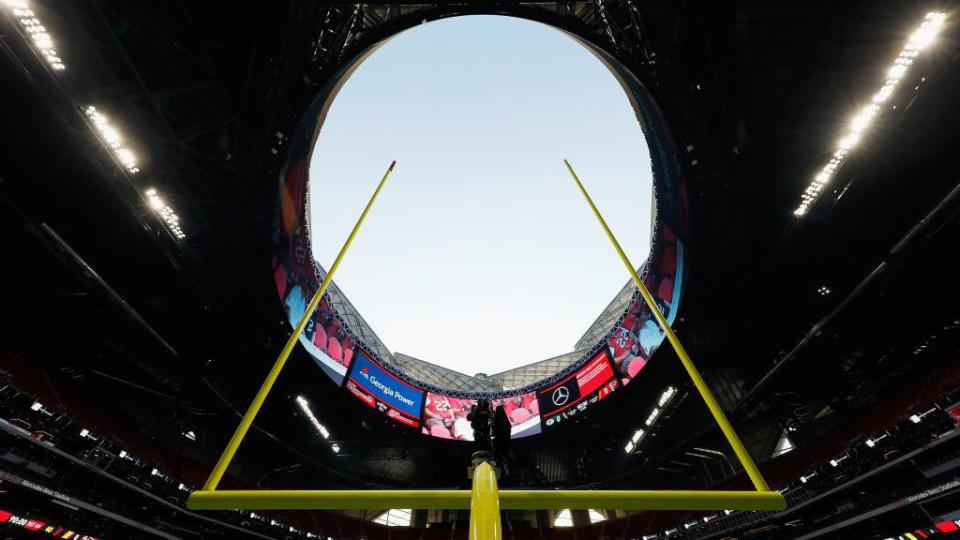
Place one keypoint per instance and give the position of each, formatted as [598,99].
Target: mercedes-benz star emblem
[560,396]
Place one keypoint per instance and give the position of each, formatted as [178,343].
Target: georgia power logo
[560,396]
[386,389]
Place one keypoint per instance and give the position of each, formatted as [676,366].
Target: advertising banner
[588,385]
[35,525]
[379,389]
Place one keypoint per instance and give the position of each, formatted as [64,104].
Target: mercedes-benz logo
[560,396]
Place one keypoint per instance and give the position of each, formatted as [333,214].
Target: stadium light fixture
[321,429]
[31,24]
[871,442]
[43,43]
[837,461]
[112,138]
[169,217]
[919,40]
[638,435]
[667,395]
[917,418]
[634,440]
[305,407]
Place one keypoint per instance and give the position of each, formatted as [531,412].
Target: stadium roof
[795,321]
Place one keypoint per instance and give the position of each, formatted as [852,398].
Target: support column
[418,519]
[581,518]
[543,519]
[485,505]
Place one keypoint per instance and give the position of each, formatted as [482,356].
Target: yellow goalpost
[485,500]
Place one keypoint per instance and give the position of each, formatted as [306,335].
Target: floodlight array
[655,413]
[921,38]
[112,138]
[43,43]
[169,217]
[114,141]
[321,429]
[31,24]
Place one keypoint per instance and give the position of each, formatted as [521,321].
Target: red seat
[290,201]
[347,357]
[635,366]
[440,431]
[280,277]
[665,290]
[527,399]
[333,327]
[519,416]
[320,337]
[669,261]
[510,405]
[334,350]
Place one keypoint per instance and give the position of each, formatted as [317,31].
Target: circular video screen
[481,272]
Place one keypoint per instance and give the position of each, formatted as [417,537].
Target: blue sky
[480,254]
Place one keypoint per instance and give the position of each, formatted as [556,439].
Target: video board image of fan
[445,417]
[573,395]
[328,343]
[638,336]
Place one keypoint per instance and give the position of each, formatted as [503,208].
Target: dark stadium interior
[839,331]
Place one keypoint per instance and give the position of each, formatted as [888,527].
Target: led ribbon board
[379,389]
[565,399]
[631,338]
